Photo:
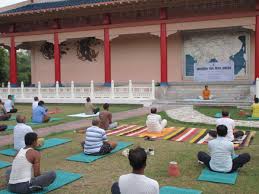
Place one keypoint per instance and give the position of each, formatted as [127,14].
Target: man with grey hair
[19,132]
[96,142]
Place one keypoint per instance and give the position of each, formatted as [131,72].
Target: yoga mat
[47,144]
[83,115]
[63,178]
[217,177]
[218,115]
[253,118]
[4,164]
[9,128]
[51,120]
[177,190]
[82,157]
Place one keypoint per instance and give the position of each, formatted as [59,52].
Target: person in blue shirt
[222,157]
[40,114]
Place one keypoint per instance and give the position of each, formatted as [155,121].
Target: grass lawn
[99,175]
[212,110]
[67,109]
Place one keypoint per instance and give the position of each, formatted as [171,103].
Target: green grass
[99,176]
[211,111]
[67,109]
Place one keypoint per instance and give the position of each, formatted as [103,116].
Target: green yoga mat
[177,190]
[47,144]
[51,120]
[4,164]
[218,115]
[88,158]
[216,177]
[9,128]
[63,178]
[253,118]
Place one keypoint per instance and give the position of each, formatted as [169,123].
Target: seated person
[154,121]
[206,95]
[35,102]
[136,182]
[230,124]
[90,108]
[9,105]
[19,132]
[96,142]
[255,108]
[4,116]
[25,175]
[40,114]
[3,127]
[222,154]
[106,118]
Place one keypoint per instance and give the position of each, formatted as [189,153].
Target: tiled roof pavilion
[59,5]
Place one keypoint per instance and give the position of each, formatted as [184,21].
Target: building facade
[140,40]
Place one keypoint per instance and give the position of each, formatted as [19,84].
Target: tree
[24,67]
[3,65]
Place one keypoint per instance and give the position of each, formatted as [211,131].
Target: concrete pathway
[188,114]
[42,132]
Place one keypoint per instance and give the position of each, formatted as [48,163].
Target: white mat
[83,115]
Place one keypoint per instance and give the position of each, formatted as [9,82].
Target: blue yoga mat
[63,178]
[177,190]
[51,120]
[218,115]
[4,164]
[47,144]
[88,158]
[253,118]
[216,177]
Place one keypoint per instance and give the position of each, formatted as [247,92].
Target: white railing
[127,92]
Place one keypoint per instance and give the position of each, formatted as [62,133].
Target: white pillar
[22,90]
[92,90]
[72,89]
[57,89]
[130,90]
[112,89]
[153,90]
[9,88]
[39,90]
[257,88]
[2,84]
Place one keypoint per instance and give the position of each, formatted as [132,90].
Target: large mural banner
[222,47]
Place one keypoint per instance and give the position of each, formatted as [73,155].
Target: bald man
[19,132]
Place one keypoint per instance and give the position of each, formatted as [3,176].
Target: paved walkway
[42,132]
[188,114]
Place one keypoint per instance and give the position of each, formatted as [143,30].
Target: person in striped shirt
[96,142]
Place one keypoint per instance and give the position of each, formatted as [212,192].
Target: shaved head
[20,119]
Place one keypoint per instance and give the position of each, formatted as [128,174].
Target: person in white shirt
[25,175]
[35,102]
[154,122]
[136,182]
[9,105]
[19,132]
[230,124]
[222,157]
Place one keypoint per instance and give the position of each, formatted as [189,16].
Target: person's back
[8,105]
[105,119]
[38,114]
[89,108]
[2,110]
[255,108]
[154,122]
[94,139]
[137,184]
[230,124]
[20,130]
[21,168]
[221,151]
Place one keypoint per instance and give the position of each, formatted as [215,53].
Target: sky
[4,3]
